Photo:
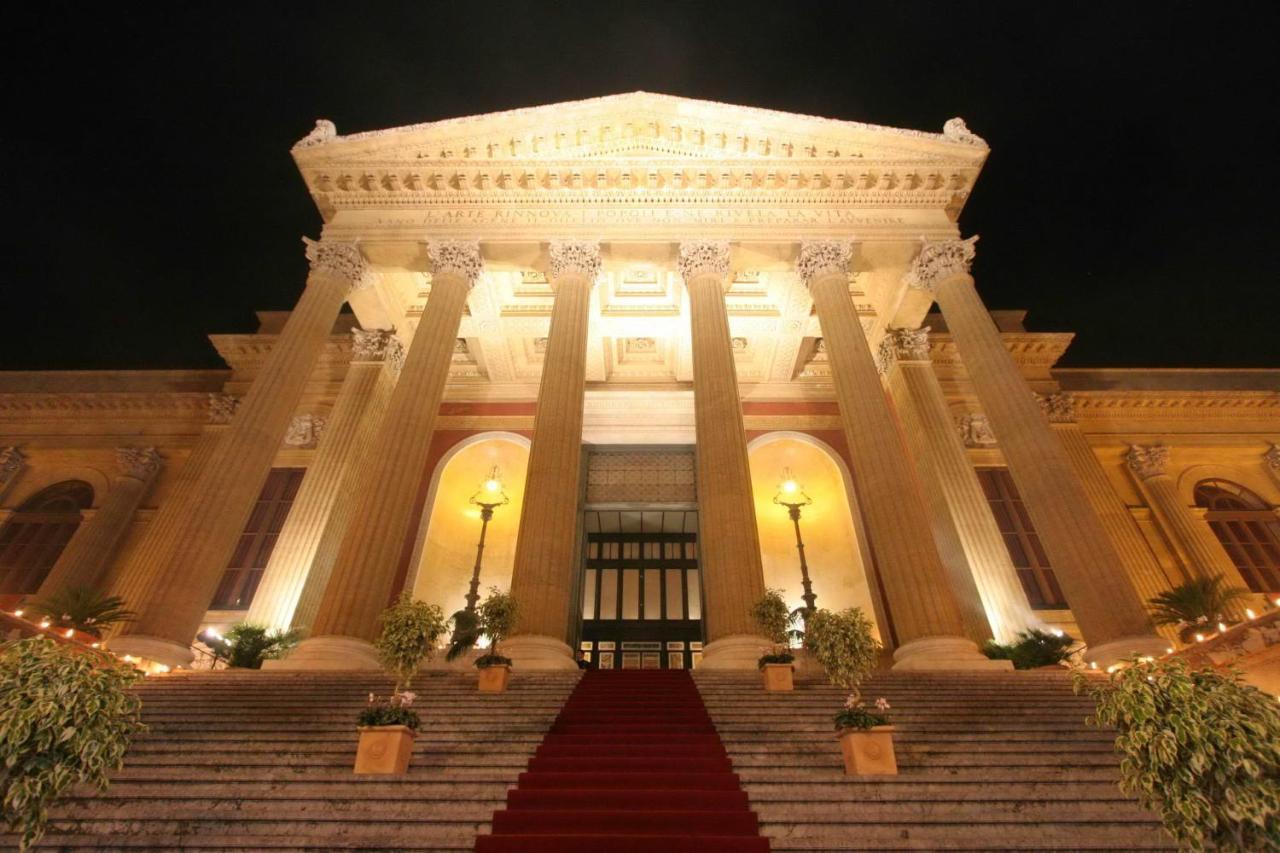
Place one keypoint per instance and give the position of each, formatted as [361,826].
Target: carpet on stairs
[633,764]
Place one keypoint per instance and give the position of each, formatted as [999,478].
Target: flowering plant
[854,716]
[392,711]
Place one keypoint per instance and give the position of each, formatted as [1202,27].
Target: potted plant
[387,728]
[866,738]
[67,715]
[778,663]
[1034,649]
[497,619]
[84,609]
[845,647]
[246,646]
[410,631]
[1196,606]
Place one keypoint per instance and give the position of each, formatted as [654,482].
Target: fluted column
[85,559]
[12,461]
[542,578]
[176,598]
[1198,548]
[728,542]
[1107,608]
[360,586]
[921,598]
[312,516]
[991,598]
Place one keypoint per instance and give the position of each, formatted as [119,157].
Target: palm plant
[83,608]
[1195,604]
[249,645]
[466,633]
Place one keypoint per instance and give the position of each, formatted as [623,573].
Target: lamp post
[791,495]
[488,497]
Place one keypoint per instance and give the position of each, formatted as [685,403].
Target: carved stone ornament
[1059,408]
[823,257]
[11,461]
[222,408]
[460,257]
[1147,462]
[340,258]
[369,344]
[140,463]
[975,431]
[910,344]
[956,130]
[885,356]
[575,257]
[304,431]
[395,356]
[1271,457]
[938,260]
[324,131]
[704,257]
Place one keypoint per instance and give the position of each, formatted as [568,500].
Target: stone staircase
[262,761]
[987,762]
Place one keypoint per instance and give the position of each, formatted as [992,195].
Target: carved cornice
[369,344]
[338,258]
[1059,408]
[704,258]
[1147,462]
[823,257]
[1029,349]
[1227,406]
[939,260]
[575,257]
[458,257]
[246,353]
[222,408]
[145,406]
[140,463]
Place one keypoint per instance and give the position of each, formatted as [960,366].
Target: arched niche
[445,553]
[1252,479]
[835,550]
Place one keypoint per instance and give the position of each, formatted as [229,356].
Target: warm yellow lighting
[1169,650]
[1199,638]
[1248,612]
[128,658]
[492,485]
[790,487]
[1222,629]
[69,633]
[160,667]
[1057,632]
[95,645]
[45,623]
[17,612]
[1093,664]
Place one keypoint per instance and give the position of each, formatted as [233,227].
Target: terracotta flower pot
[493,679]
[384,749]
[778,677]
[868,751]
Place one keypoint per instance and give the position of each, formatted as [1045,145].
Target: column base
[330,652]
[739,651]
[534,651]
[1114,651]
[157,649]
[946,653]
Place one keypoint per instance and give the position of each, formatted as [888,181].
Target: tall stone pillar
[1198,548]
[175,600]
[926,615]
[84,561]
[360,586]
[985,581]
[542,579]
[1107,608]
[728,542]
[12,461]
[312,516]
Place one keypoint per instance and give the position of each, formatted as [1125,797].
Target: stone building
[645,318]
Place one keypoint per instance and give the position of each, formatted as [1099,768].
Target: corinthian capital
[1147,462]
[140,463]
[939,260]
[575,257]
[823,257]
[910,344]
[11,461]
[1059,408]
[339,258]
[704,257]
[456,257]
[369,344]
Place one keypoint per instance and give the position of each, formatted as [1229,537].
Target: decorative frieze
[222,407]
[975,430]
[370,344]
[625,476]
[938,260]
[575,257]
[704,257]
[304,431]
[140,463]
[823,257]
[1059,407]
[460,257]
[1147,461]
[339,258]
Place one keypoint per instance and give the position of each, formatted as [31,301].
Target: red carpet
[631,765]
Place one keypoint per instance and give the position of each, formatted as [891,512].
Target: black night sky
[149,196]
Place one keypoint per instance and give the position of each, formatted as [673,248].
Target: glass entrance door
[641,590]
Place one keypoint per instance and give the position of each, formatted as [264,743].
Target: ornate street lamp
[489,497]
[791,495]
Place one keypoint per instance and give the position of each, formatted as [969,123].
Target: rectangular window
[609,594]
[631,594]
[695,596]
[589,595]
[257,540]
[652,593]
[675,594]
[1020,538]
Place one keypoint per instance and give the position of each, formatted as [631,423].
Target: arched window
[1247,529]
[36,533]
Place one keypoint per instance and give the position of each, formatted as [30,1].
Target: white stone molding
[823,257]
[140,463]
[1059,407]
[1271,457]
[885,356]
[12,461]
[1147,462]
[460,257]
[910,344]
[575,257]
[340,258]
[222,408]
[956,130]
[395,356]
[704,257]
[370,344]
[324,131]
[939,260]
[975,430]
[304,431]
